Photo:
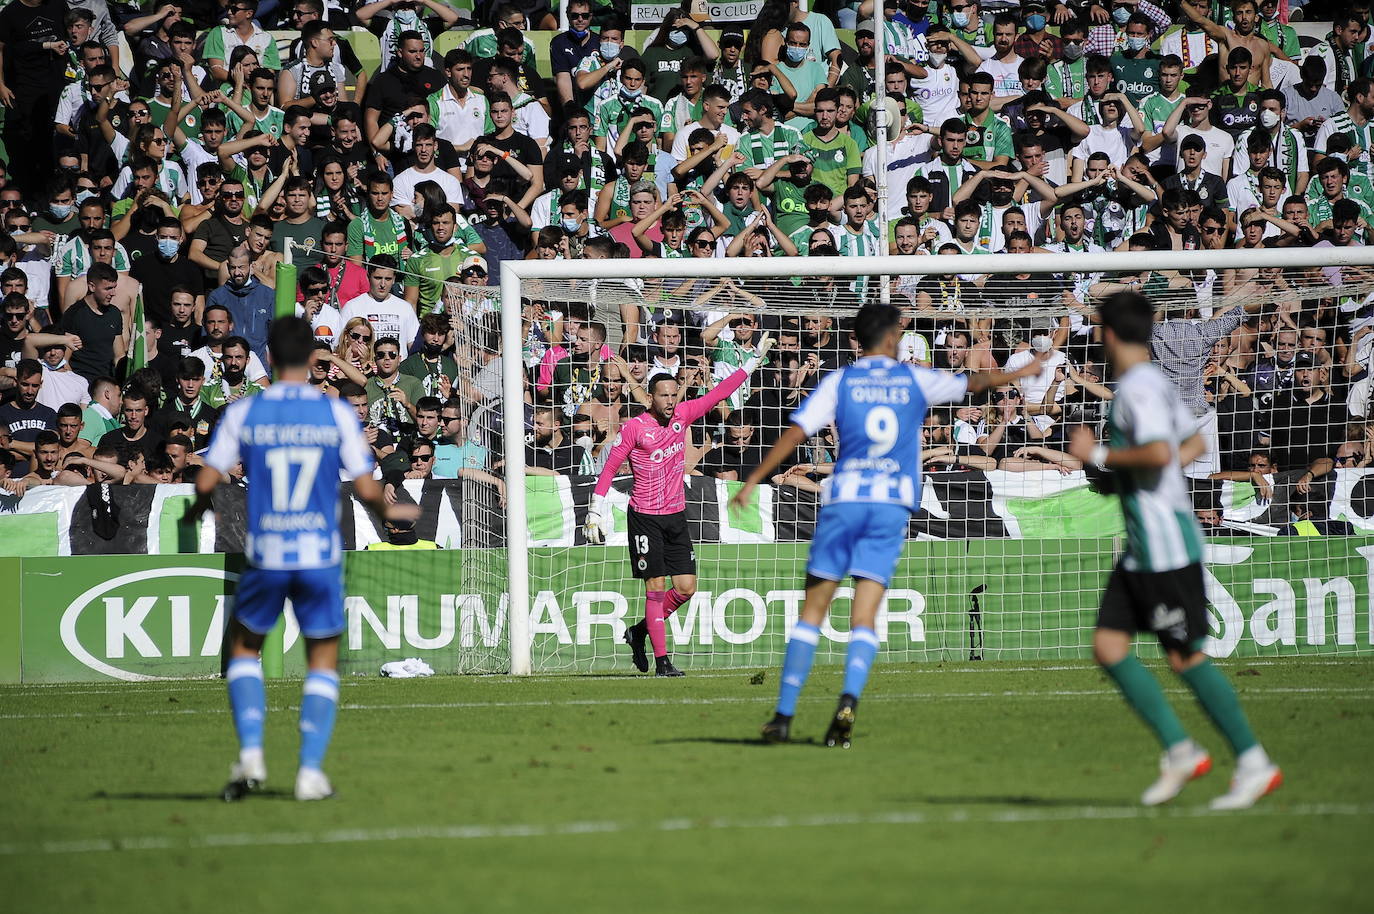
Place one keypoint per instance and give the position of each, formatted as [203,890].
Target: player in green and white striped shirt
[1157,585]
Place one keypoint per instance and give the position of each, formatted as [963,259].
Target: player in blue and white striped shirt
[295,444]
[878,406]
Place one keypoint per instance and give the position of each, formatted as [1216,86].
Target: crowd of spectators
[165,160]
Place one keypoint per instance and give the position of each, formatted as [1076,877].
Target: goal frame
[515,273]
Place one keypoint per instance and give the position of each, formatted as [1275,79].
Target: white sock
[1253,758]
[1179,752]
[250,756]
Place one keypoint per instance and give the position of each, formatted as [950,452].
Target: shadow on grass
[737,741]
[1007,800]
[217,796]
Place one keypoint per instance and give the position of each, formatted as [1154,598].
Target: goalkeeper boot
[311,784]
[245,776]
[779,729]
[842,726]
[1248,785]
[635,636]
[664,667]
[1181,764]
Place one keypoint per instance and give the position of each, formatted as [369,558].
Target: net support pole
[513,451]
[880,135]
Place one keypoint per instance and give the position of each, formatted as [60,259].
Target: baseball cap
[865,26]
[321,83]
[1192,141]
[473,262]
[731,37]
[1305,360]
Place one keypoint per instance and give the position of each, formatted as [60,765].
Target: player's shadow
[155,795]
[738,741]
[1007,800]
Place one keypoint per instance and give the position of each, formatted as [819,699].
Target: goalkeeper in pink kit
[660,545]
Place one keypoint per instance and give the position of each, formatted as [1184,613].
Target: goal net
[1271,350]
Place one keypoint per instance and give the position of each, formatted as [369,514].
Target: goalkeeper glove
[760,354]
[594,527]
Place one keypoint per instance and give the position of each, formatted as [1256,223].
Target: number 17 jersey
[878,406]
[294,442]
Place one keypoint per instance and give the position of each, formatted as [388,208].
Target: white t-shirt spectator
[680,141]
[255,372]
[61,387]
[1114,141]
[909,153]
[403,186]
[327,323]
[391,316]
[1220,147]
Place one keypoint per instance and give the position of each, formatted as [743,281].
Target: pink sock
[672,600]
[653,621]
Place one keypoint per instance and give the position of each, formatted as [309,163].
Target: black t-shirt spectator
[220,236]
[150,444]
[11,350]
[520,146]
[1300,432]
[1210,188]
[159,278]
[98,331]
[389,92]
[181,340]
[29,67]
[560,459]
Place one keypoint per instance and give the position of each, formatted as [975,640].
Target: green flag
[138,342]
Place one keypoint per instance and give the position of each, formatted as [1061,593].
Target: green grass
[969,787]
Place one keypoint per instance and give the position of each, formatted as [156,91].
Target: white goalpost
[1005,560]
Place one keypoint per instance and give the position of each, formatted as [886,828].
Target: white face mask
[938,60]
[1269,119]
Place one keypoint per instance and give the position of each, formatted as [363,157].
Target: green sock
[1143,693]
[1219,700]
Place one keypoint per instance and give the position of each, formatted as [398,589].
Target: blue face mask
[1035,22]
[168,247]
[62,211]
[1121,14]
[631,93]
[960,20]
[1136,43]
[677,38]
[579,33]
[570,225]
[796,55]
[609,50]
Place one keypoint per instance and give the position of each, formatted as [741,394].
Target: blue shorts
[862,540]
[316,598]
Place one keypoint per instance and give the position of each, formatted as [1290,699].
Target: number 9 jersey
[878,406]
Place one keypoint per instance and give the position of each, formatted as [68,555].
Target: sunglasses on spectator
[1212,230]
[702,243]
[743,322]
[420,458]
[231,194]
[315,290]
[1347,460]
[388,355]
[1008,395]
[207,182]
[451,418]
[21,227]
[15,316]
[360,337]
[579,15]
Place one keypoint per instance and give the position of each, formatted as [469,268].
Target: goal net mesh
[1008,554]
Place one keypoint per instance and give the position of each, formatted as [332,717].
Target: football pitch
[970,787]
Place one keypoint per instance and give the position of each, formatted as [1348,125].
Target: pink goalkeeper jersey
[658,453]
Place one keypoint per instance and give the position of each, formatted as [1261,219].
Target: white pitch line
[762,697]
[501,680]
[477,832]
